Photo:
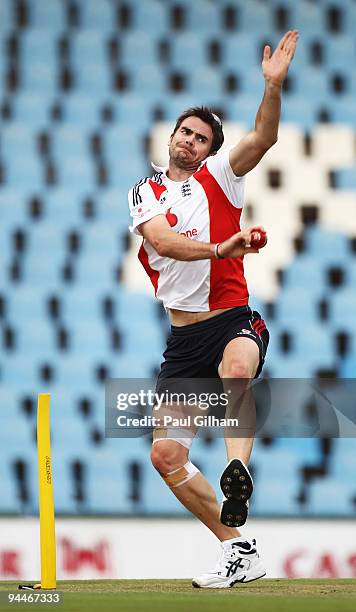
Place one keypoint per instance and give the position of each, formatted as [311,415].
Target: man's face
[191,143]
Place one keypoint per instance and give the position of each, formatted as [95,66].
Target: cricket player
[193,248]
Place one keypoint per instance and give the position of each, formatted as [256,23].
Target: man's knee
[167,455]
[237,369]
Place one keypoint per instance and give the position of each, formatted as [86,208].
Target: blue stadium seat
[81,110]
[74,172]
[39,76]
[70,141]
[343,110]
[46,238]
[295,304]
[48,15]
[343,461]
[8,491]
[19,369]
[150,79]
[314,81]
[337,49]
[304,273]
[150,17]
[13,207]
[124,175]
[240,52]
[38,45]
[266,462]
[327,246]
[24,172]
[188,49]
[243,108]
[89,46]
[93,79]
[33,336]
[88,335]
[308,17]
[123,142]
[92,270]
[343,302]
[138,50]
[99,16]
[17,140]
[312,339]
[15,433]
[26,302]
[145,336]
[345,179]
[43,268]
[132,109]
[204,81]
[81,303]
[294,110]
[69,433]
[175,104]
[63,207]
[204,17]
[298,367]
[329,497]
[32,109]
[7,15]
[348,367]
[75,371]
[256,17]
[308,449]
[112,206]
[141,306]
[276,497]
[133,366]
[100,236]
[253,83]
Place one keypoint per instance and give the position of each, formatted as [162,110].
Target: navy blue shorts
[195,351]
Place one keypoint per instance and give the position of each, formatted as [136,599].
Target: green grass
[178,596]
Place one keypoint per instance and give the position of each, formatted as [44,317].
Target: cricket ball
[258,239]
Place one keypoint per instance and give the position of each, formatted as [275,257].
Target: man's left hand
[275,66]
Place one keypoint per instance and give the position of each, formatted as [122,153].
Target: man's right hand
[238,245]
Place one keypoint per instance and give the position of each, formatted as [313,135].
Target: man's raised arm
[249,151]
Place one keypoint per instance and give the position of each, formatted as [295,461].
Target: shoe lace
[226,555]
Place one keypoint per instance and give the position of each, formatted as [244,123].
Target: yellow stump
[46,502]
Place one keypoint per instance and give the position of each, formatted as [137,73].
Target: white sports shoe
[239,562]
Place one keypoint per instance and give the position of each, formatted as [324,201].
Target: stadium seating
[89,90]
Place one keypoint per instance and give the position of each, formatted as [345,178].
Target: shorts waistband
[220,319]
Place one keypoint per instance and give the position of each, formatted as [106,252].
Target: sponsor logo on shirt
[190,233]
[172,218]
[175,221]
[140,212]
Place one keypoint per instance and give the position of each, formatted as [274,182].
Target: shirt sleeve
[233,186]
[143,204]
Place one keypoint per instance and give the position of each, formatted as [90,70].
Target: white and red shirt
[206,207]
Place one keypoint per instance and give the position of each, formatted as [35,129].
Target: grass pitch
[280,595]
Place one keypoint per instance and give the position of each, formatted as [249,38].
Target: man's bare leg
[240,361]
[197,495]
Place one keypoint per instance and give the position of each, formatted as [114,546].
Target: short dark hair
[206,115]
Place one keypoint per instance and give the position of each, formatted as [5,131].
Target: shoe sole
[229,586]
[237,485]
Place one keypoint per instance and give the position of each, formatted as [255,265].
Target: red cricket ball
[258,239]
